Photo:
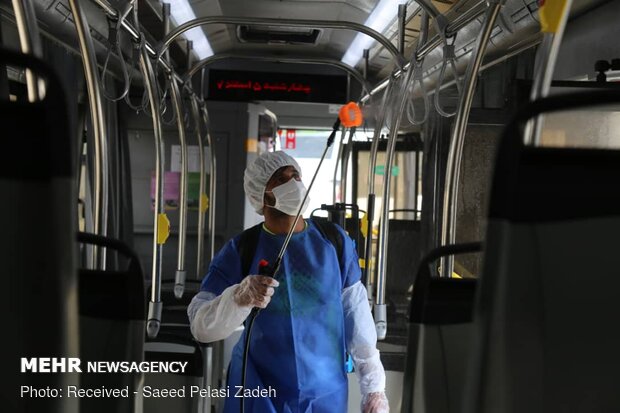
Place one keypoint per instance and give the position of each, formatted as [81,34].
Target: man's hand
[255,291]
[375,403]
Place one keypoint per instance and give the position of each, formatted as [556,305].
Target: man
[314,312]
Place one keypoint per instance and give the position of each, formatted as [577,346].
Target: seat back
[175,343]
[112,325]
[402,256]
[545,321]
[38,297]
[439,332]
[402,262]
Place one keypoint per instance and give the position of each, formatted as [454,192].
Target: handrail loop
[163,104]
[133,32]
[449,57]
[115,44]
[459,22]
[138,42]
[138,45]
[418,76]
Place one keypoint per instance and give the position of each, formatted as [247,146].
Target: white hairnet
[258,173]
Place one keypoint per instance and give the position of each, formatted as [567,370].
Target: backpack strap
[246,245]
[248,241]
[330,232]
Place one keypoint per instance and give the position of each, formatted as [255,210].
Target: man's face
[279,177]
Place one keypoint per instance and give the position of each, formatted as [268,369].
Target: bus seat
[438,339]
[402,259]
[546,336]
[38,299]
[112,325]
[176,343]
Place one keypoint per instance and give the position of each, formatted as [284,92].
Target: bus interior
[478,189]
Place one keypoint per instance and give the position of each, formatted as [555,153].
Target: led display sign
[248,86]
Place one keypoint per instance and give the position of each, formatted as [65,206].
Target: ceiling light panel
[382,15]
[181,12]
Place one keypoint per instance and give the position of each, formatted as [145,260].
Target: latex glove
[255,291]
[375,402]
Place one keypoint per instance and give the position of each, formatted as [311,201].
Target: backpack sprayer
[350,116]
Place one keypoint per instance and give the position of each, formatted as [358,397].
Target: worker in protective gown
[313,312]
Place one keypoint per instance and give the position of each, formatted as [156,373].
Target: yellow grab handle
[163,228]
[364,224]
[204,203]
[362,262]
[551,13]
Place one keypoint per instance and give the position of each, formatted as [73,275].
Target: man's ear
[269,199]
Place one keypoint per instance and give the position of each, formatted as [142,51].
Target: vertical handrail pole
[204,403]
[89,60]
[402,23]
[202,84]
[212,181]
[181,273]
[202,202]
[30,43]
[344,168]
[165,11]
[189,45]
[554,15]
[161,225]
[455,154]
[338,156]
[370,209]
[380,310]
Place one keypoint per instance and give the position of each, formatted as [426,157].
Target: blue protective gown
[297,345]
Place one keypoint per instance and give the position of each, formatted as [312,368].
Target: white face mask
[289,196]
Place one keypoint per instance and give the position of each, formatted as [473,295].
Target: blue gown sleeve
[225,269]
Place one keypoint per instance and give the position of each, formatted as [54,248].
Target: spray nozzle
[350,115]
